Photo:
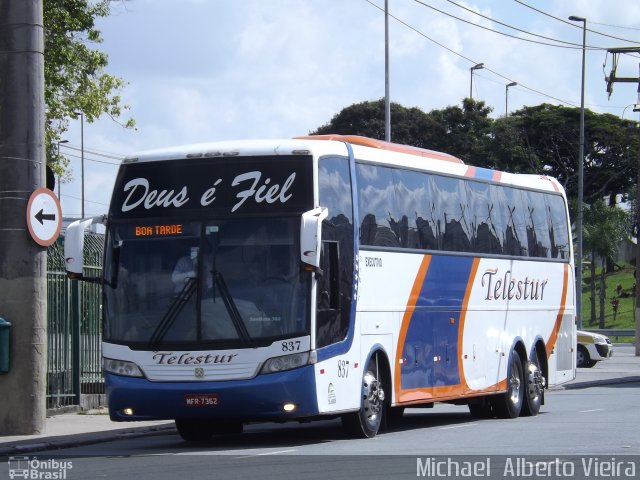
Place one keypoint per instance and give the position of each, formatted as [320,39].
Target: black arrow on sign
[40,216]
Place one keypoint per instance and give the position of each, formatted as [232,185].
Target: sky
[208,70]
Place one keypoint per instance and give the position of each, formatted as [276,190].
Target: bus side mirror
[310,229]
[74,248]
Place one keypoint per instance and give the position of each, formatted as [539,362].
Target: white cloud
[200,70]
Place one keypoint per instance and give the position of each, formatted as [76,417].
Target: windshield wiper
[230,305]
[176,306]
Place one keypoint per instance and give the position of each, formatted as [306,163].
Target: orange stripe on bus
[471,172]
[563,304]
[381,144]
[497,176]
[463,317]
[406,318]
[448,392]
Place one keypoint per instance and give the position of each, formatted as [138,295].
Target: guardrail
[614,332]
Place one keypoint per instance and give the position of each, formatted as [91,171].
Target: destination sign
[157,230]
[212,186]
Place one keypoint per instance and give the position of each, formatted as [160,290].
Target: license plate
[201,400]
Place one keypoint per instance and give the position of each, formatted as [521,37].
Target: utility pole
[579,223]
[387,99]
[22,170]
[611,79]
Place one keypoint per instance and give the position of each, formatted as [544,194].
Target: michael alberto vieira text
[519,467]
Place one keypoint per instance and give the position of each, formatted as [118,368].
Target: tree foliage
[542,139]
[462,132]
[603,230]
[548,141]
[75,80]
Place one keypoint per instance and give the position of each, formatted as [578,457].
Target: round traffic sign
[44,217]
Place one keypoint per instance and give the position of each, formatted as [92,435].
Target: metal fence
[74,363]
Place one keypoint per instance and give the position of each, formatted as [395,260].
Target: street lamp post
[387,99]
[506,97]
[478,66]
[580,176]
[81,160]
[58,152]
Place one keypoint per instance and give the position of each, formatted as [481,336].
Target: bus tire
[534,393]
[366,422]
[194,430]
[509,404]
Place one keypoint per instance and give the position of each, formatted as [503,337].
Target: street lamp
[636,108]
[580,175]
[478,66]
[81,160]
[506,97]
[60,176]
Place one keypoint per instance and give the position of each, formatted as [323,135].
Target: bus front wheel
[366,422]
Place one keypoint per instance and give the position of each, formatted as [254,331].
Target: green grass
[620,285]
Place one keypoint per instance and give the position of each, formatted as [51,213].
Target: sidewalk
[73,429]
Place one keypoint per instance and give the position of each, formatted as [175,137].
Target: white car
[592,348]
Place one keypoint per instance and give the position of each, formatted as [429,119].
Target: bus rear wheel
[509,404]
[366,422]
[534,394]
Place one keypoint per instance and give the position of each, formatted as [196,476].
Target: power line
[93,152]
[511,26]
[593,105]
[614,26]
[473,62]
[87,201]
[89,159]
[573,24]
[506,34]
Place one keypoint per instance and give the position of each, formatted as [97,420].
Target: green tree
[408,125]
[545,139]
[75,80]
[603,229]
[464,132]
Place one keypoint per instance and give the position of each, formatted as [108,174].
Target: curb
[598,383]
[80,439]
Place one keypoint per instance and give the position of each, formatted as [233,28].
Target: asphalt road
[595,420]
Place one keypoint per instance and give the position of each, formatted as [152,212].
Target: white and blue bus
[328,276]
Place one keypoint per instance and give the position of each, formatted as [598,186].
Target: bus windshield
[222,284]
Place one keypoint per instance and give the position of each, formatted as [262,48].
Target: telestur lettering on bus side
[507,287]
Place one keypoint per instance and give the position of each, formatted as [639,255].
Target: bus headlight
[286,362]
[120,367]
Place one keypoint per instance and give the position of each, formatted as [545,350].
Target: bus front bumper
[261,398]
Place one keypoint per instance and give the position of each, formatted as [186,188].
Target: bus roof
[381,144]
